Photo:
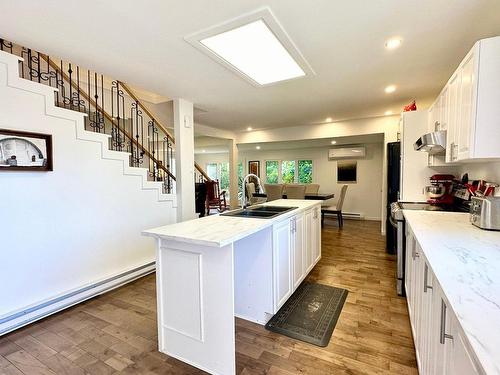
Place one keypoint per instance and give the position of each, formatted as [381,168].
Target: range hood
[433,143]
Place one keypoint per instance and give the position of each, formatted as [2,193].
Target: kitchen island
[453,292]
[212,269]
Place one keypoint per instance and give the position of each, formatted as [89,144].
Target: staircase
[111,108]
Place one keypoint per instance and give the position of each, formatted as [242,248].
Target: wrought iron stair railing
[111,107]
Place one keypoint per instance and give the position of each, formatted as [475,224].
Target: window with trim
[219,171]
[289,171]
[272,171]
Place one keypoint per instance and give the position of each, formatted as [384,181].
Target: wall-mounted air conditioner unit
[346,153]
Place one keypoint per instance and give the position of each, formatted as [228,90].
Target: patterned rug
[310,314]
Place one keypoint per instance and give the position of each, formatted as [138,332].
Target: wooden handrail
[160,125]
[146,110]
[202,172]
[54,66]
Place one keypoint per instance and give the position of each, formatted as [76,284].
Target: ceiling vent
[347,153]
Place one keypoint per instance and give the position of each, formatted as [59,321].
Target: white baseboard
[19,318]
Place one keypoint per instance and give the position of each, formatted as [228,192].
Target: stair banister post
[184,159]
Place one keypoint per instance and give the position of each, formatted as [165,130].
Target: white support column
[184,158]
[233,174]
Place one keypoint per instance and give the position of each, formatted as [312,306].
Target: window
[219,171]
[272,172]
[305,171]
[224,176]
[291,171]
[288,171]
[212,171]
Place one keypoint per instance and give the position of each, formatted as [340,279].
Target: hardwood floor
[116,332]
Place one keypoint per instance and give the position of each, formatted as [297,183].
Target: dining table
[308,196]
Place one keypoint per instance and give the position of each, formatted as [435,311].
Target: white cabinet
[467,107]
[309,260]
[296,249]
[299,254]
[282,261]
[316,235]
[453,116]
[439,341]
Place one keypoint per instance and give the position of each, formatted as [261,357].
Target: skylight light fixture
[255,46]
[255,51]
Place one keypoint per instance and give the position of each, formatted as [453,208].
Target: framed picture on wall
[25,151]
[254,167]
[347,171]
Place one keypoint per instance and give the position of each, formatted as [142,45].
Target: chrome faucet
[244,187]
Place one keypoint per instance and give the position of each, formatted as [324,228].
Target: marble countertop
[218,231]
[466,263]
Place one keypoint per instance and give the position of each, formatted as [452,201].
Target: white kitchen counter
[466,263]
[219,230]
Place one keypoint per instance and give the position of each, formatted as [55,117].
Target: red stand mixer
[441,189]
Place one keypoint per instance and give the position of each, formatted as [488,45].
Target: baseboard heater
[353,216]
[41,310]
[348,215]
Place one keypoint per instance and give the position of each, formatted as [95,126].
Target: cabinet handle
[426,274]
[442,334]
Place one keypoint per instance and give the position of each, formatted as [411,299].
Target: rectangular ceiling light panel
[254,50]
[254,46]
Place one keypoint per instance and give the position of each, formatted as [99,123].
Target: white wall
[362,197]
[489,171]
[204,159]
[81,223]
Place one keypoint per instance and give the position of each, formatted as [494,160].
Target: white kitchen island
[212,269]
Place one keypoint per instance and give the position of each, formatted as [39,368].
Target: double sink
[261,212]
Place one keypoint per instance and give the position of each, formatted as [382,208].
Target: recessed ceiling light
[249,128]
[390,89]
[257,147]
[203,150]
[328,119]
[388,113]
[333,142]
[254,50]
[393,43]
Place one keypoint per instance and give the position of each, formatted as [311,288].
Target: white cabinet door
[439,343]
[410,244]
[467,122]
[308,221]
[282,262]
[299,253]
[461,361]
[316,235]
[453,117]
[425,330]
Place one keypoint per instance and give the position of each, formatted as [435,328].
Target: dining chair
[312,189]
[250,190]
[296,191]
[335,209]
[274,191]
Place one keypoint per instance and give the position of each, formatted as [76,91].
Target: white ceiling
[142,43]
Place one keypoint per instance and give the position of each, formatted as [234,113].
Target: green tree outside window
[272,172]
[288,171]
[305,171]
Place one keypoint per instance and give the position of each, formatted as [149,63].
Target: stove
[398,222]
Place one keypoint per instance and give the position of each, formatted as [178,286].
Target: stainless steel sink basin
[261,212]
